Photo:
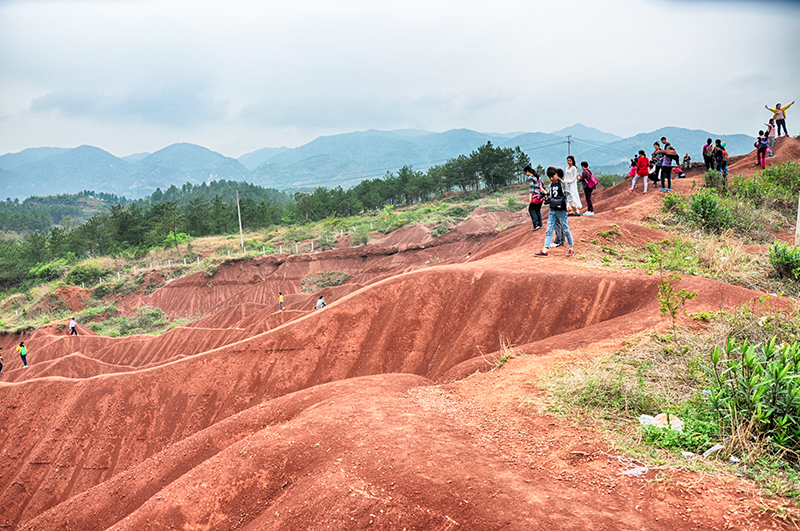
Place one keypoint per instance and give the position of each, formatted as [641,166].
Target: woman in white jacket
[571,180]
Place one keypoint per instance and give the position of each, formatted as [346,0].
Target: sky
[132,76]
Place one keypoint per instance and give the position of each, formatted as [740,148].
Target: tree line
[135,227]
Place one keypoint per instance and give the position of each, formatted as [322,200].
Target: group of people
[320,302]
[564,200]
[765,143]
[22,350]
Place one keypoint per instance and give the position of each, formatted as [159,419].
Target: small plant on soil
[785,260]
[671,302]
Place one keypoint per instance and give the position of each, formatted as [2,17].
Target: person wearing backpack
[537,197]
[589,184]
[708,154]
[771,137]
[558,231]
[721,159]
[558,199]
[642,170]
[23,354]
[761,144]
[670,156]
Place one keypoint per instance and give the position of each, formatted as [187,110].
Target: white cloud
[242,75]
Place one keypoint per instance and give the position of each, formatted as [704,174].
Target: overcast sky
[138,75]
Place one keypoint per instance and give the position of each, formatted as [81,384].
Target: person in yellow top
[22,350]
[280,300]
[780,117]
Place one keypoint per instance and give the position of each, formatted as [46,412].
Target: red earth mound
[349,417]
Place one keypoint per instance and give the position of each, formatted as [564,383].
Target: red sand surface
[379,411]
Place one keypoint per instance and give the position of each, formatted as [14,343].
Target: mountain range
[328,161]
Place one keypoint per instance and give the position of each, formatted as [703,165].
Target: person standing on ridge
[721,159]
[537,197]
[23,354]
[708,154]
[589,183]
[642,170]
[670,156]
[771,136]
[1,362]
[780,117]
[571,180]
[280,300]
[73,327]
[321,303]
[558,231]
[687,162]
[558,199]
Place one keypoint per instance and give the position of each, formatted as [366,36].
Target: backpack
[721,155]
[762,144]
[708,150]
[537,199]
[23,351]
[591,181]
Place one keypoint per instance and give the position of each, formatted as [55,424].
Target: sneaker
[554,245]
[644,193]
[537,228]
[540,253]
[630,189]
[588,213]
[668,190]
[570,253]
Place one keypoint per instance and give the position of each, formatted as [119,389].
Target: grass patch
[316,281]
[670,373]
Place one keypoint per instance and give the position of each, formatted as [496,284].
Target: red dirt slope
[253,418]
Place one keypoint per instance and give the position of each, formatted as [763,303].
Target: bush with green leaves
[706,210]
[785,259]
[674,203]
[714,179]
[89,272]
[49,271]
[755,393]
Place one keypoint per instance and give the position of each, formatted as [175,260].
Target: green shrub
[714,179]
[457,211]
[699,429]
[49,271]
[607,181]
[755,393]
[360,236]
[785,259]
[674,203]
[706,210]
[89,272]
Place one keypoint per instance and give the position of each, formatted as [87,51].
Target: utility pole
[569,145]
[239,210]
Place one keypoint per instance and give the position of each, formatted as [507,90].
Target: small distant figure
[280,300]
[73,327]
[642,170]
[590,182]
[780,116]
[321,303]
[771,136]
[708,154]
[1,362]
[537,197]
[23,353]
[721,158]
[678,171]
[761,144]
[687,162]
